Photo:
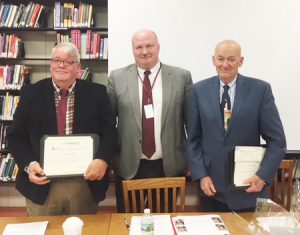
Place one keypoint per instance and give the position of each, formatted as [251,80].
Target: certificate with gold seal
[68,155]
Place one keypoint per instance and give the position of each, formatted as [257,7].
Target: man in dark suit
[87,110]
[163,154]
[250,103]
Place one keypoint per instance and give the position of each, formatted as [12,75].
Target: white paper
[247,160]
[67,155]
[200,224]
[34,228]
[162,225]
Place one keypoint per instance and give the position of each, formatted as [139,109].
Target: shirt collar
[57,89]
[153,71]
[231,84]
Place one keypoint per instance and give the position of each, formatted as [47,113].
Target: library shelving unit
[39,39]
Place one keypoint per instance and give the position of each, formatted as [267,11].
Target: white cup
[72,226]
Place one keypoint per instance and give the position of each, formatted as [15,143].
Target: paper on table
[34,228]
[200,224]
[162,225]
[247,160]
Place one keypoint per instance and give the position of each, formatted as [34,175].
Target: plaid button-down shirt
[70,106]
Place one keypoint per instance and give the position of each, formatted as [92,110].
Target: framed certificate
[68,155]
[245,161]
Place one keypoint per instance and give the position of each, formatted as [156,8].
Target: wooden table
[113,224]
[235,224]
[93,224]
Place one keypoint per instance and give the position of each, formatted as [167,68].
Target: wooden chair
[145,188]
[281,189]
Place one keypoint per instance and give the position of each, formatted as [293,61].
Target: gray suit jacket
[123,92]
[254,114]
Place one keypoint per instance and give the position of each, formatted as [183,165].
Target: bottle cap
[147,211]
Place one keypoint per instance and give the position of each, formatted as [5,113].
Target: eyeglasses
[64,62]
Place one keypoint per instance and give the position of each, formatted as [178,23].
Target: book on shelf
[35,15]
[8,168]
[11,46]
[85,74]
[91,45]
[66,15]
[3,132]
[13,77]
[20,16]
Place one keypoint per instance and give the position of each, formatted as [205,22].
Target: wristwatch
[26,168]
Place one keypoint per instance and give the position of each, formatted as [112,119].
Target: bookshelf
[39,41]
[45,37]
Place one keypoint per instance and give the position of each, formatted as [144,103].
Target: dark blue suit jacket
[35,116]
[254,115]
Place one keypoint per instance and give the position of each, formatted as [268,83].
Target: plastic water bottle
[295,203]
[147,223]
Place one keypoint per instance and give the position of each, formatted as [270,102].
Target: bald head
[227,60]
[145,48]
[144,33]
[229,45]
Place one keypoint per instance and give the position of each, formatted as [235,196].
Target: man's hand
[207,186]
[36,174]
[96,170]
[256,184]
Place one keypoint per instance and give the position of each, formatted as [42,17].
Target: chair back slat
[166,200]
[174,199]
[133,195]
[143,200]
[157,199]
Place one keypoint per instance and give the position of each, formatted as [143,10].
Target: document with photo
[199,224]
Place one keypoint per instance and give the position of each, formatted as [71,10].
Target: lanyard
[145,89]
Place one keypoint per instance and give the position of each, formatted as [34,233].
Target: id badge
[149,111]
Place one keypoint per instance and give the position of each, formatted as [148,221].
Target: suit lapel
[215,102]
[80,105]
[50,111]
[239,99]
[167,84]
[134,98]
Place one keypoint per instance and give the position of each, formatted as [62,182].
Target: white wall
[188,30]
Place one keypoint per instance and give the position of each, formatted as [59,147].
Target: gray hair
[69,48]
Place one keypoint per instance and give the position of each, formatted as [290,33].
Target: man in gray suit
[150,115]
[253,115]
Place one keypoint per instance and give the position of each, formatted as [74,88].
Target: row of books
[66,15]
[11,46]
[91,45]
[3,132]
[8,168]
[8,105]
[13,77]
[20,16]
[85,74]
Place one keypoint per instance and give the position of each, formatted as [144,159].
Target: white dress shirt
[157,105]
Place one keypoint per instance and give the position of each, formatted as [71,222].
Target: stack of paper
[162,225]
[34,228]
